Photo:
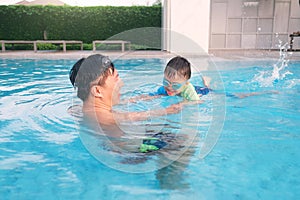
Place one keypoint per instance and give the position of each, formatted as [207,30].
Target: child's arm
[143,97]
[189,93]
[144,115]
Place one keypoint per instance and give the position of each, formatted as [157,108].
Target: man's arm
[139,116]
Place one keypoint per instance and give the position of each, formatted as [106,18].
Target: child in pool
[176,81]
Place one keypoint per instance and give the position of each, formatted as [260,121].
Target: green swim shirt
[189,93]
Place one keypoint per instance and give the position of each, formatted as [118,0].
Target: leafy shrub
[19,22]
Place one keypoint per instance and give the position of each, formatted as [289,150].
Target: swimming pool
[43,154]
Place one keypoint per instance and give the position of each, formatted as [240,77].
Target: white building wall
[194,26]
[186,26]
[253,24]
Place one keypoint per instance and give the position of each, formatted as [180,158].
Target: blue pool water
[45,155]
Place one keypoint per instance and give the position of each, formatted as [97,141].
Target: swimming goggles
[175,86]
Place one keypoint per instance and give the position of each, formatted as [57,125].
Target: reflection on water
[21,159]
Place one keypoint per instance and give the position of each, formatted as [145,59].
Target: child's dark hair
[178,65]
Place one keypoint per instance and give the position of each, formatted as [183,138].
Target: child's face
[174,86]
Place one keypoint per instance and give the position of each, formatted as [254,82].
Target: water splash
[279,71]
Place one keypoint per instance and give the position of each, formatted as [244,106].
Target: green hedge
[75,23]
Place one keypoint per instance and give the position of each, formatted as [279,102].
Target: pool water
[45,155]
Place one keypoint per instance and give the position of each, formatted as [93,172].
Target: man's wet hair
[90,71]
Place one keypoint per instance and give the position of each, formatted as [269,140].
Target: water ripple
[21,159]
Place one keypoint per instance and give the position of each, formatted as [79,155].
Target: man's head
[95,74]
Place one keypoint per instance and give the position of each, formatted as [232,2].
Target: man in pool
[98,85]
